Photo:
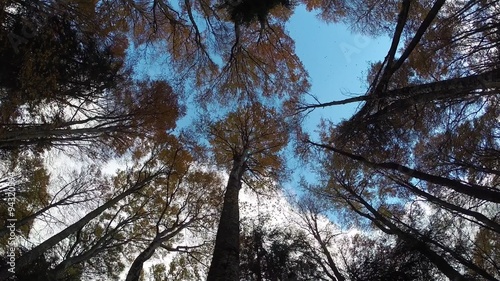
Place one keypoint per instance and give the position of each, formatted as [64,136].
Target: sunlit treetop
[255,134]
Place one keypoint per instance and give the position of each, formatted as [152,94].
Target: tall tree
[23,188]
[223,49]
[426,131]
[248,143]
[372,196]
[70,189]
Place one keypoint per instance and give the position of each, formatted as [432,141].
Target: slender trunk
[39,250]
[455,88]
[330,261]
[134,273]
[418,35]
[452,207]
[472,190]
[226,258]
[260,254]
[28,219]
[441,263]
[41,135]
[396,38]
[312,223]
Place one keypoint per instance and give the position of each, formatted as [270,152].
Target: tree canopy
[407,188]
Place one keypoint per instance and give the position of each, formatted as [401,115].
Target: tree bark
[54,136]
[226,258]
[454,89]
[134,273]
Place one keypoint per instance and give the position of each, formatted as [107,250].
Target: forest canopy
[101,179]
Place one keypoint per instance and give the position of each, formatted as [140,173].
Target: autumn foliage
[107,182]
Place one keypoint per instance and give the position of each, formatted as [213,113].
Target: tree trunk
[53,136]
[134,273]
[455,88]
[30,218]
[472,190]
[226,258]
[442,264]
[329,260]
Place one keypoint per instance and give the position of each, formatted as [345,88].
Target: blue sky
[336,59]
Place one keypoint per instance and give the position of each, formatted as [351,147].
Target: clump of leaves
[247,11]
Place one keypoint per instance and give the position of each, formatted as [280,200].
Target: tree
[187,201]
[486,251]
[38,270]
[424,133]
[132,182]
[23,188]
[247,142]
[145,110]
[66,82]
[310,211]
[72,188]
[55,66]
[51,52]
[223,57]
[178,198]
[386,208]
[376,259]
[277,254]
[69,84]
